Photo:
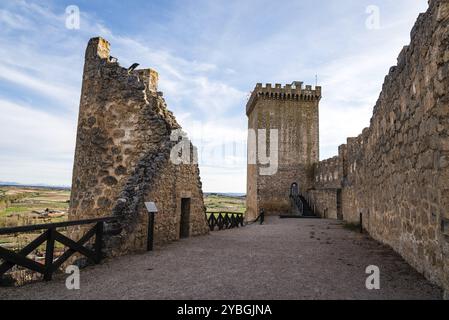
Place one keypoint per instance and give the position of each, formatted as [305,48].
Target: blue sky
[209,54]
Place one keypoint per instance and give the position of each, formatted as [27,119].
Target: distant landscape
[225,202]
[23,205]
[27,205]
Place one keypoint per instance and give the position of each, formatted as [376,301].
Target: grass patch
[217,203]
[15,209]
[20,202]
[352,226]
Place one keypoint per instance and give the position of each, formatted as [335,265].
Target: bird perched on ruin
[133,67]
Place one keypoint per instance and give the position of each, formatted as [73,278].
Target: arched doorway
[294,190]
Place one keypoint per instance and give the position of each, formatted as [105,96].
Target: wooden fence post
[99,241]
[49,254]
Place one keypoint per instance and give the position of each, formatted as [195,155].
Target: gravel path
[284,259]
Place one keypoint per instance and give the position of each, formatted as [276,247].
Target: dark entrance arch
[294,189]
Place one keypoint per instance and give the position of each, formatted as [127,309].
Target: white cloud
[44,60]
[62,93]
[45,131]
[223,180]
[14,21]
[38,135]
[36,147]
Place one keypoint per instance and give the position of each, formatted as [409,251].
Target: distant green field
[18,205]
[222,203]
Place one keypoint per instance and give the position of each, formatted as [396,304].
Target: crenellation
[98,48]
[150,77]
[293,92]
[296,87]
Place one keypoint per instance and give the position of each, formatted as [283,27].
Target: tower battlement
[295,91]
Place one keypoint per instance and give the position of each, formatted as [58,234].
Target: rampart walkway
[284,259]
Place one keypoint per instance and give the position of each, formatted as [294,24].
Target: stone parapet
[294,92]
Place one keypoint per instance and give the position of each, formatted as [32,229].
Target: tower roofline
[288,92]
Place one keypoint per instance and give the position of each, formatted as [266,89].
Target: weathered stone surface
[293,111]
[122,156]
[396,172]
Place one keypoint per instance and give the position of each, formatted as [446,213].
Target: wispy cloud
[209,55]
[36,147]
[13,21]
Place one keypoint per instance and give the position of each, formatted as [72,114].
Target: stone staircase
[300,208]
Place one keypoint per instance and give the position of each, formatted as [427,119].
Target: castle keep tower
[292,110]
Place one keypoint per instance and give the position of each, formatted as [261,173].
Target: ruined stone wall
[396,172]
[122,156]
[293,111]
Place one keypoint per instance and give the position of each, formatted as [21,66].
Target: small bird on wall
[133,67]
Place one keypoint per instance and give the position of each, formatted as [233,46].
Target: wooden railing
[225,220]
[51,236]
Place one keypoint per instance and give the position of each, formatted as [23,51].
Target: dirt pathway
[284,259]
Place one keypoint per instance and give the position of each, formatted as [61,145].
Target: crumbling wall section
[122,156]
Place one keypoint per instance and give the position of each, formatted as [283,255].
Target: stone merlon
[294,91]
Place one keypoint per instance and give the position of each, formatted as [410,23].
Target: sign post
[152,210]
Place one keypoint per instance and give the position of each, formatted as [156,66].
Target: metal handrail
[298,203]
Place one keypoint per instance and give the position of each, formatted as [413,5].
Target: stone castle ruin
[394,176]
[122,157]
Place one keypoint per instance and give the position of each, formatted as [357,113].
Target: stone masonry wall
[122,156]
[327,183]
[328,173]
[396,172]
[324,202]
